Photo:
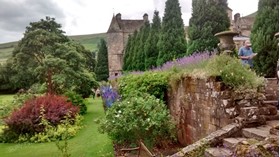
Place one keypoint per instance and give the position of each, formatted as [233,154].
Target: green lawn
[88,143]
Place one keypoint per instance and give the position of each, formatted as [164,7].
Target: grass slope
[88,143]
[89,41]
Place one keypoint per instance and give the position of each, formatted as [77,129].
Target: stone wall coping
[211,139]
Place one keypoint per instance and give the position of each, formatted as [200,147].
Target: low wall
[202,106]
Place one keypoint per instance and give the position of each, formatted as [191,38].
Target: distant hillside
[89,41]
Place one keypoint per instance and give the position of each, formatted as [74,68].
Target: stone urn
[226,44]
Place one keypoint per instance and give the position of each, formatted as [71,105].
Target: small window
[116,74]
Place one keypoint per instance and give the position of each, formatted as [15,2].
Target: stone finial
[145,17]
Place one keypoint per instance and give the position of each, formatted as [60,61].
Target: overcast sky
[89,16]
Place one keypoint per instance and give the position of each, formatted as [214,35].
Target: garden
[136,103]
[87,141]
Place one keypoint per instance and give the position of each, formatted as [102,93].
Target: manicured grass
[88,143]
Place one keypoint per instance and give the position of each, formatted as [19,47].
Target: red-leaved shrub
[28,118]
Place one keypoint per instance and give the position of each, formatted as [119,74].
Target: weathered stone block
[226,103]
[232,112]
[249,112]
[244,103]
[268,110]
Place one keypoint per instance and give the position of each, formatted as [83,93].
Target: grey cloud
[16,15]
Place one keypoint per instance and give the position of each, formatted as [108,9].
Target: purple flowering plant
[179,63]
[109,95]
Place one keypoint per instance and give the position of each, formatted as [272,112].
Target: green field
[88,143]
[89,41]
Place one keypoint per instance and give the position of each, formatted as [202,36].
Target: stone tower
[117,36]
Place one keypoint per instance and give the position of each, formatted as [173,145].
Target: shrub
[77,100]
[234,73]
[153,83]
[138,117]
[27,119]
[6,108]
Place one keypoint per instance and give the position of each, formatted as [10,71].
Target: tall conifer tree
[102,70]
[140,54]
[208,18]
[151,48]
[263,41]
[172,42]
[127,54]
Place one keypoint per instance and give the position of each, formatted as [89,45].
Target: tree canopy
[102,70]
[263,41]
[46,56]
[151,49]
[172,43]
[208,18]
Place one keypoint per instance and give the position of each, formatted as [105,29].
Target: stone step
[272,123]
[259,133]
[270,96]
[271,102]
[217,152]
[230,143]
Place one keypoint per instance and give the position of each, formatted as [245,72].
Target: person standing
[246,54]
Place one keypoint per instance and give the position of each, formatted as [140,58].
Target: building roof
[124,25]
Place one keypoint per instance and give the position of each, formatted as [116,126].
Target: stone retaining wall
[202,106]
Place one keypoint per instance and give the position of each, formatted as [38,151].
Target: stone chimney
[145,17]
[119,16]
[236,16]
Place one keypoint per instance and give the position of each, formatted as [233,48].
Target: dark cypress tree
[140,54]
[134,50]
[127,53]
[263,41]
[151,48]
[208,18]
[172,42]
[101,69]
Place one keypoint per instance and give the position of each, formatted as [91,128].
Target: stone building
[117,36]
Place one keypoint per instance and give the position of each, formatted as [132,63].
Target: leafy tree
[151,49]
[172,42]
[208,18]
[6,74]
[263,41]
[102,70]
[46,55]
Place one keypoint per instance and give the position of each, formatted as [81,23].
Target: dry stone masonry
[202,106]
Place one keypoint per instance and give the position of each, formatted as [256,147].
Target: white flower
[117,116]
[120,111]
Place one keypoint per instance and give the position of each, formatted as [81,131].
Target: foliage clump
[102,69]
[263,41]
[138,117]
[208,18]
[153,83]
[172,42]
[233,72]
[27,120]
[77,100]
